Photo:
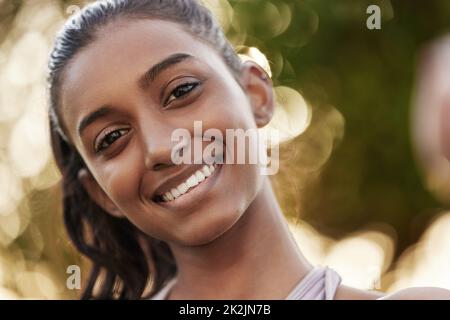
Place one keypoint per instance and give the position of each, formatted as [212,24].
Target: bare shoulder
[415,293]
[419,293]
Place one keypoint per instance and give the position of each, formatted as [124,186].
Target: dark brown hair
[126,262]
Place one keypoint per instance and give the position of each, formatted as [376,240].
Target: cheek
[121,177]
[228,104]
[123,189]
[233,111]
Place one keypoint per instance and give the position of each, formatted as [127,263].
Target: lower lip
[195,195]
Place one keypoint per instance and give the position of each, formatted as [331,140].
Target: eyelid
[184,79]
[196,83]
[98,140]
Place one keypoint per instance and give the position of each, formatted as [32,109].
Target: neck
[257,258]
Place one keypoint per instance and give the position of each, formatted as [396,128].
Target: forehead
[122,52]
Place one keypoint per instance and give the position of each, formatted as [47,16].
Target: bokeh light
[348,181]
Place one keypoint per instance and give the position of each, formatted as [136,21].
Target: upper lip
[176,179]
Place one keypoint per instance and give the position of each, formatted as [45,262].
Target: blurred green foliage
[324,50]
[368,75]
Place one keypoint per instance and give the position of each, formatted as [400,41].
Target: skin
[430,116]
[232,242]
[445,127]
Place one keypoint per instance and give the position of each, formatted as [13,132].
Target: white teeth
[191,182]
[169,196]
[200,177]
[175,193]
[182,188]
[206,171]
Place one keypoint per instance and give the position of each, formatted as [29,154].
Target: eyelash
[99,147]
[192,85]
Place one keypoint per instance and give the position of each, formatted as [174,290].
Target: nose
[157,145]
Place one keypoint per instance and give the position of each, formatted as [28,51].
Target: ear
[259,89]
[97,194]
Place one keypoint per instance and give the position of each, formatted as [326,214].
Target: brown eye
[181,91]
[109,138]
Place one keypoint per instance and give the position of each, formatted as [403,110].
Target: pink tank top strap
[320,283]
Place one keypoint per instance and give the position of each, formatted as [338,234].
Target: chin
[207,231]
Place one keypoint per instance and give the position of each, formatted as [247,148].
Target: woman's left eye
[181,91]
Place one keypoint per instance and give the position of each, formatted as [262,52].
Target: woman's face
[127,146]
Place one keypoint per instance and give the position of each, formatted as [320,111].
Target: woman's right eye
[109,138]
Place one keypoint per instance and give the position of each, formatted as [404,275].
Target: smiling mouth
[197,178]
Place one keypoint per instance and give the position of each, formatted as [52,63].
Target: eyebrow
[144,81]
[156,69]
[93,116]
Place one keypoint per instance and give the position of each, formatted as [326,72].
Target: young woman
[124,75]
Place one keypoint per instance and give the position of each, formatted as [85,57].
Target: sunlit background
[363,190]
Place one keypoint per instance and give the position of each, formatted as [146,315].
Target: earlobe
[97,194]
[259,89]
